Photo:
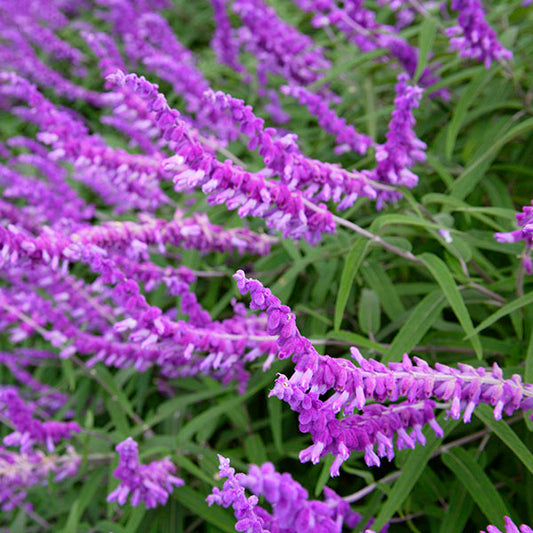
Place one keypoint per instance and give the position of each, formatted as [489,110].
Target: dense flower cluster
[151,483]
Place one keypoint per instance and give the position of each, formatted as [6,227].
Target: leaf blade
[351,265]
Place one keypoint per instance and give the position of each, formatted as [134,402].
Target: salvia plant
[266,266]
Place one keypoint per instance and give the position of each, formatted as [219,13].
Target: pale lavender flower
[151,483]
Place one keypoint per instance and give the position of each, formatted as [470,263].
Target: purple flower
[345,134]
[359,25]
[226,183]
[279,47]
[292,511]
[510,527]
[402,148]
[151,483]
[20,471]
[224,42]
[352,386]
[524,233]
[232,494]
[315,179]
[30,431]
[472,37]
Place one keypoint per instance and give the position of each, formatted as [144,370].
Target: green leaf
[171,407]
[87,494]
[469,472]
[411,471]
[462,106]
[382,285]
[195,502]
[106,526]
[68,371]
[213,413]
[416,326]
[468,180]
[347,66]
[135,519]
[459,510]
[105,376]
[370,107]
[351,266]
[506,434]
[275,420]
[255,449]
[527,299]
[387,220]
[443,277]
[354,338]
[118,417]
[188,465]
[324,476]
[425,43]
[369,315]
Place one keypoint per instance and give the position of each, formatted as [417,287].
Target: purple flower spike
[224,43]
[510,527]
[292,511]
[226,183]
[402,148]
[150,483]
[345,134]
[232,494]
[472,37]
[352,386]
